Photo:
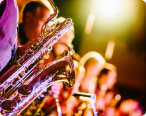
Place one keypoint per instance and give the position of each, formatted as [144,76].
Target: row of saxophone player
[34,81]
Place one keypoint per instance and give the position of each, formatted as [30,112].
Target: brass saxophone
[25,80]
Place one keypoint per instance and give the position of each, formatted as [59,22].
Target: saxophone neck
[51,18]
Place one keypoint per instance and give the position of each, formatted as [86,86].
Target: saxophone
[25,80]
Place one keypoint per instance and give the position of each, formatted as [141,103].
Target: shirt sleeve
[8,31]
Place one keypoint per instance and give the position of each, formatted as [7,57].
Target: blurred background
[117,30]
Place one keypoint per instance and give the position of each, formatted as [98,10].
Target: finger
[55,92]
[46,55]
[55,96]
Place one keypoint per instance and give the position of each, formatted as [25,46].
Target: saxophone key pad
[25,90]
[9,105]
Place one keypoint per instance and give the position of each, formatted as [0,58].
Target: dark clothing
[21,34]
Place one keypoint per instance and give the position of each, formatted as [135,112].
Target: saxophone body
[25,80]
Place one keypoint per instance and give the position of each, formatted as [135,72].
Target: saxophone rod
[85,96]
[58,107]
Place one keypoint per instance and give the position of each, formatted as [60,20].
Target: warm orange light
[89,23]
[110,49]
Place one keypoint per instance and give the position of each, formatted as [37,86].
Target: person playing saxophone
[106,92]
[34,14]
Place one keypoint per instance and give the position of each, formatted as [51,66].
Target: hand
[55,89]
[24,48]
[100,104]
[110,111]
[75,87]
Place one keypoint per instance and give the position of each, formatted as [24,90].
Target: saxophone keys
[9,105]
[25,90]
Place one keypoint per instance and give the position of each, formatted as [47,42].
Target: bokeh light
[110,9]
[115,15]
